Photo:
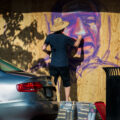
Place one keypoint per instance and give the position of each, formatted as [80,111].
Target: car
[24,96]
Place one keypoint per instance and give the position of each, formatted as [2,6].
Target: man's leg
[58,90]
[67,93]
[54,78]
[65,75]
[57,87]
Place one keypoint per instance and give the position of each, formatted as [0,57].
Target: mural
[88,24]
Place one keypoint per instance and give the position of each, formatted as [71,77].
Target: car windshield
[8,67]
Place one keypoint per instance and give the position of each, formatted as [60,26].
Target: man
[58,42]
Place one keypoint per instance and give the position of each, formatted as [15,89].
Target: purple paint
[88,24]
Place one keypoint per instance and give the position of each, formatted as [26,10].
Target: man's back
[59,43]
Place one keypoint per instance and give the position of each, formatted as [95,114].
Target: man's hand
[44,48]
[77,42]
[79,37]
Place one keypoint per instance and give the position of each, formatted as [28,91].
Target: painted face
[85,23]
[88,25]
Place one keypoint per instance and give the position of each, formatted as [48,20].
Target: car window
[8,67]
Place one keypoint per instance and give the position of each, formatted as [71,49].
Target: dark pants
[63,72]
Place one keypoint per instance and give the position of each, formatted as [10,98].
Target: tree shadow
[30,33]
[74,63]
[12,30]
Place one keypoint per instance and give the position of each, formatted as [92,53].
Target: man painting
[58,42]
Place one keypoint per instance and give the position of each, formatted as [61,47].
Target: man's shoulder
[49,35]
[67,36]
[64,35]
[54,35]
[60,36]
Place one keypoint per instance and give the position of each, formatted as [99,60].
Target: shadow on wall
[74,63]
[37,64]
[12,30]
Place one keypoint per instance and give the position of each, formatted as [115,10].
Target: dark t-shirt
[59,43]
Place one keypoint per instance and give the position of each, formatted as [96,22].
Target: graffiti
[88,24]
[117,56]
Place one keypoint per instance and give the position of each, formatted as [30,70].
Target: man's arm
[44,48]
[77,42]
